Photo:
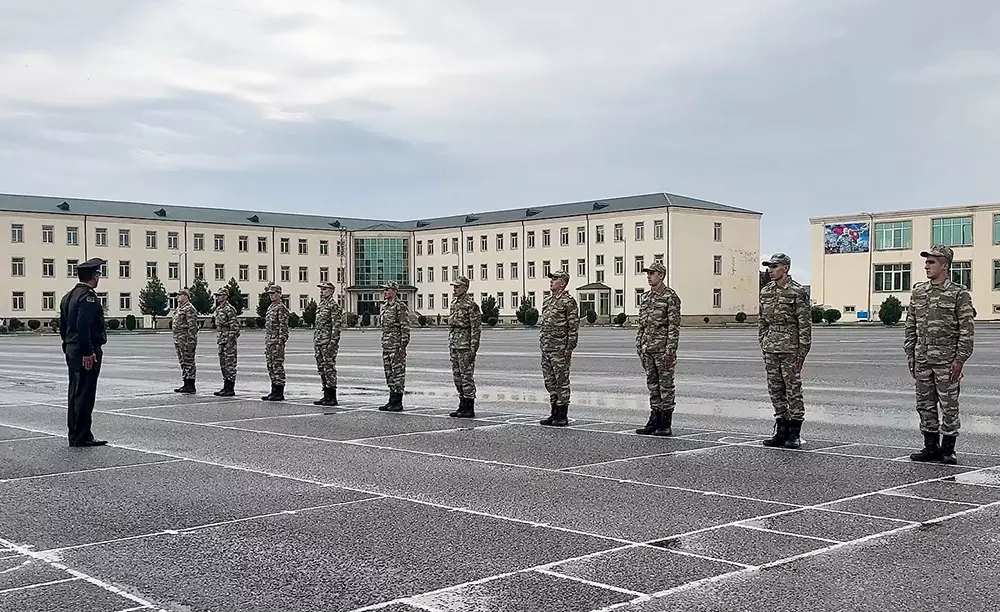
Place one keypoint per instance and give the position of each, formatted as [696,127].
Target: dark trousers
[82,394]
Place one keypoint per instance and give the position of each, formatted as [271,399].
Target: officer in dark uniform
[81,325]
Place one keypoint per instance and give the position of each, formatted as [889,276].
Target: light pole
[871,250]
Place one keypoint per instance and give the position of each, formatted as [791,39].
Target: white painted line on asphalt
[267,418]
[38,585]
[685,553]
[135,609]
[217,401]
[90,470]
[928,499]
[31,439]
[786,533]
[592,583]
[431,431]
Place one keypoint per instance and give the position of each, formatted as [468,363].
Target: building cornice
[893,215]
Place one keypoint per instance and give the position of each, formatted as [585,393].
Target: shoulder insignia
[90,298]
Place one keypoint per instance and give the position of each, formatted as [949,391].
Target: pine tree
[200,296]
[309,314]
[235,296]
[153,299]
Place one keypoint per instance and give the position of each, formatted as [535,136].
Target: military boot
[792,439]
[326,398]
[948,450]
[333,397]
[650,426]
[780,433]
[188,386]
[466,409]
[931,450]
[553,411]
[227,389]
[395,402]
[561,419]
[277,394]
[663,424]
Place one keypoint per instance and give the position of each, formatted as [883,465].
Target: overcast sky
[410,108]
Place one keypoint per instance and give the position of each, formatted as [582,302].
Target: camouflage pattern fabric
[657,337]
[465,329]
[784,385]
[395,321]
[228,328]
[275,337]
[785,335]
[558,337]
[185,327]
[326,340]
[939,330]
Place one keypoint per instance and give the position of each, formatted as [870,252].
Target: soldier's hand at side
[798,364]
[669,361]
[89,361]
[956,370]
[910,365]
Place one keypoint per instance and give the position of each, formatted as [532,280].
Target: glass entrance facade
[378,261]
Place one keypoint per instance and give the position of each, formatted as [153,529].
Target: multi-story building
[711,252]
[859,260]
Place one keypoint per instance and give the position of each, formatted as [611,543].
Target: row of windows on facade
[950,231]
[451,245]
[581,269]
[18,269]
[598,301]
[125,301]
[899,276]
[173,240]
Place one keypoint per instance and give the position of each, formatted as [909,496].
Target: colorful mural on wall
[846,238]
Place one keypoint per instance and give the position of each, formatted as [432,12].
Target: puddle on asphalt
[978,478]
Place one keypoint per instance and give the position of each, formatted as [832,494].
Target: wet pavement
[208,504]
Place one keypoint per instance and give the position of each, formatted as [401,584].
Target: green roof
[193,214]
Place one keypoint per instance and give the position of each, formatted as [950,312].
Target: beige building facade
[711,252]
[857,261]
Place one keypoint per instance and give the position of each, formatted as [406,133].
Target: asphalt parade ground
[234,504]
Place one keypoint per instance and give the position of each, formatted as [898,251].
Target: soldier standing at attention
[185,327]
[228,327]
[275,337]
[938,341]
[785,335]
[465,327]
[395,320]
[656,343]
[558,338]
[326,340]
[81,327]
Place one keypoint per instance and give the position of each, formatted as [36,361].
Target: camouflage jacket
[560,323]
[227,324]
[395,320]
[276,323]
[659,322]
[939,323]
[186,325]
[785,324]
[465,323]
[329,322]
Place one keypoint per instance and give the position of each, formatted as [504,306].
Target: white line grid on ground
[625,543]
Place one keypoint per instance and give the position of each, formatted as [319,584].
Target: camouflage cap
[391,285]
[273,289]
[222,291]
[181,292]
[939,250]
[560,274]
[656,267]
[778,259]
[327,285]
[460,281]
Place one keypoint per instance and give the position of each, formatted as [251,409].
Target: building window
[483,270]
[420,247]
[102,299]
[430,275]
[199,271]
[199,242]
[531,269]
[151,269]
[640,263]
[619,266]
[619,233]
[499,271]
[125,302]
[340,275]
[564,236]
[581,267]
[500,305]
[72,236]
[619,298]
[444,246]
[581,235]
[430,301]
[658,229]
[513,270]
[48,300]
[513,241]
[17,232]
[243,244]
[48,234]
[324,247]
[961,273]
[381,260]
[444,274]
[49,268]
[484,243]
[220,272]
[172,302]
[717,265]
[303,246]
[599,234]
[17,266]
[262,244]
[531,298]
[564,265]
[717,232]
[150,240]
[638,296]
[716,298]
[892,277]
[599,276]
[303,274]
[546,268]
[640,231]
[952,231]
[470,244]
[17,300]
[173,241]
[420,275]
[303,301]
[262,274]
[71,268]
[848,309]
[101,237]
[286,274]
[531,240]
[124,238]
[286,246]
[454,245]
[515,301]
[420,301]
[470,271]
[124,269]
[658,258]
[454,272]
[324,275]
[430,247]
[893,235]
[219,242]
[174,271]
[599,261]
[546,239]
[499,242]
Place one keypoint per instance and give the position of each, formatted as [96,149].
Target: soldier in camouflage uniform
[326,341]
[275,337]
[785,335]
[395,320]
[656,343]
[558,338]
[228,328]
[938,341]
[185,325]
[465,327]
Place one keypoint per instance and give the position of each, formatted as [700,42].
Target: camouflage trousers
[659,381]
[274,353]
[394,365]
[463,369]
[227,360]
[784,385]
[326,364]
[935,387]
[555,371]
[185,356]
